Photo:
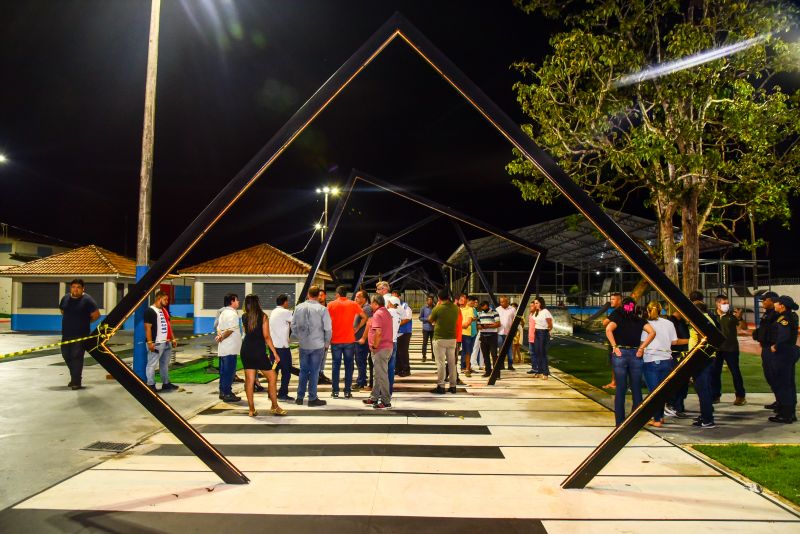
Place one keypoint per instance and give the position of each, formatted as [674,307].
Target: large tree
[707,143]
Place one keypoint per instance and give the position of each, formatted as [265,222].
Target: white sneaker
[669,411]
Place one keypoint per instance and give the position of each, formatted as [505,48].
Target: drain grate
[107,446]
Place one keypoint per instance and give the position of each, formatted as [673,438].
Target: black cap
[769,295]
[787,301]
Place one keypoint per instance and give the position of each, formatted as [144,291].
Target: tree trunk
[641,287]
[666,238]
[691,241]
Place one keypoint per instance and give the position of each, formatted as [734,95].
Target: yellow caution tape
[50,346]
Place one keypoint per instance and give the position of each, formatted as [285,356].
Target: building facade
[262,269]
[38,286]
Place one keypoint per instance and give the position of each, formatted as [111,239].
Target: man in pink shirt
[343,312]
[380,335]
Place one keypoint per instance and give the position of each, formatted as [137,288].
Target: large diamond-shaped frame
[397,27]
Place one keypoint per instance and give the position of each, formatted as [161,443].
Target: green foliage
[722,130]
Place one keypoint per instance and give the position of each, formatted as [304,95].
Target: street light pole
[146,185]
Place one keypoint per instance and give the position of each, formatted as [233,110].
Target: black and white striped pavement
[488,459]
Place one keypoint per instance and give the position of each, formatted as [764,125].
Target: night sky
[231,73]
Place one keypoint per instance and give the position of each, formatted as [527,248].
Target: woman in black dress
[254,354]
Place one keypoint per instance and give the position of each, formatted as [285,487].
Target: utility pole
[146,186]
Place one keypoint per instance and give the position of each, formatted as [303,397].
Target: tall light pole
[146,185]
[326,190]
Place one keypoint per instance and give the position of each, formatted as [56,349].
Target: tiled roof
[88,260]
[260,259]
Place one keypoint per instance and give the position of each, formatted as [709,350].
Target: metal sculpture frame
[456,218]
[396,27]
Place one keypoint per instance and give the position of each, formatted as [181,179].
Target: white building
[261,269]
[18,246]
[38,286]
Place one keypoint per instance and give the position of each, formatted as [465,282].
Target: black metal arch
[456,218]
[396,27]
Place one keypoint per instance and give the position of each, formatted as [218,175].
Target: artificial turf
[776,467]
[195,372]
[590,364]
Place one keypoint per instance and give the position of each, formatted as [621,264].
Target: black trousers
[403,365]
[489,350]
[427,338]
[73,357]
[732,359]
[782,366]
[285,369]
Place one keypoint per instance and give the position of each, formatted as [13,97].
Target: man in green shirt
[444,319]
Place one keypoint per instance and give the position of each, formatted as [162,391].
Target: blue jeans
[160,357]
[392,365]
[534,361]
[227,370]
[702,385]
[655,373]
[285,367]
[310,361]
[540,340]
[626,365]
[362,353]
[501,338]
[467,344]
[337,351]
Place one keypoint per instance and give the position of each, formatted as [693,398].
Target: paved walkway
[487,459]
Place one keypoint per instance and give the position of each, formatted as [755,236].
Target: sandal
[610,386]
[253,413]
[278,411]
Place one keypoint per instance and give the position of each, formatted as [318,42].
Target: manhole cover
[107,446]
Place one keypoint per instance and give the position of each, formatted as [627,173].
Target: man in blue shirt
[427,327]
[79,310]
[311,324]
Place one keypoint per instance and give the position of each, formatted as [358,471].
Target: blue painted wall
[52,323]
[203,325]
[182,310]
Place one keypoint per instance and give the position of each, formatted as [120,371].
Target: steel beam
[475,265]
[448,211]
[396,26]
[622,434]
[165,414]
[523,305]
[376,246]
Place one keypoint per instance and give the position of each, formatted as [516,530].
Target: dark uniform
[783,338]
[761,334]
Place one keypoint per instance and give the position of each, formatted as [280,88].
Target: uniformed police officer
[761,334]
[783,346]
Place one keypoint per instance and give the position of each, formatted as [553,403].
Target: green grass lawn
[776,467]
[590,364]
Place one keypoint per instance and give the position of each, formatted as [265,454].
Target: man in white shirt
[280,323]
[229,339]
[507,314]
[393,307]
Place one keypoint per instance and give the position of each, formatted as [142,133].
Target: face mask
[724,308]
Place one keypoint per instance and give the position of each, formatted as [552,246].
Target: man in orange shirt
[343,312]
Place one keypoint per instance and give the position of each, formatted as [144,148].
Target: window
[44,251]
[267,293]
[6,247]
[40,295]
[120,291]
[96,291]
[214,294]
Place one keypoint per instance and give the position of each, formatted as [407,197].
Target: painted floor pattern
[488,459]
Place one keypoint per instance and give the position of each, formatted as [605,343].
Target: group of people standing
[645,344]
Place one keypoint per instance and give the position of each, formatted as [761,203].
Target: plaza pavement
[488,459]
